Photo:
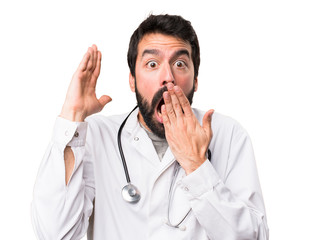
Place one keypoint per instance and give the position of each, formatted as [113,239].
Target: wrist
[194,165]
[72,115]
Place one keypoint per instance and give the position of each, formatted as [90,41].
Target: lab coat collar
[132,121]
[144,144]
[139,139]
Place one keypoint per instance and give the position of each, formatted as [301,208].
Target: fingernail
[177,89]
[166,95]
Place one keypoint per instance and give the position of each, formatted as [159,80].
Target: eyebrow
[180,53]
[150,51]
[157,53]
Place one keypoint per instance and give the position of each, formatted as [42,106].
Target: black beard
[147,111]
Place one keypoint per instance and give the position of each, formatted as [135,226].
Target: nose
[167,75]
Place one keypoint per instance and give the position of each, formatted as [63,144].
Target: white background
[257,66]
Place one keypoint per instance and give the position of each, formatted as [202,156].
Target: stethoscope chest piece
[130,193]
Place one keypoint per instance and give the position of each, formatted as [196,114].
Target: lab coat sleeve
[229,207]
[61,211]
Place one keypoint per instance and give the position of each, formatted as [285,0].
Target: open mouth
[159,111]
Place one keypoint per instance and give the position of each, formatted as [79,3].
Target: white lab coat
[224,195]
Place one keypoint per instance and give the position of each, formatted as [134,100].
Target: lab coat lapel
[168,159]
[139,139]
[141,142]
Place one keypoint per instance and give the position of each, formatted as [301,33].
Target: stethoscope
[130,192]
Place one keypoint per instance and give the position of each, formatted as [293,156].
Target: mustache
[157,97]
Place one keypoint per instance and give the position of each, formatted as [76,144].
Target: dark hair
[169,25]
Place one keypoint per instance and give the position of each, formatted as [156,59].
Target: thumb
[103,100]
[206,122]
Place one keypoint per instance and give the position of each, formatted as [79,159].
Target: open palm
[81,100]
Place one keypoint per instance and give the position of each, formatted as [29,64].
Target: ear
[196,84]
[132,83]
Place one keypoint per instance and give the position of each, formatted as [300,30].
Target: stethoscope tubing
[130,192]
[121,149]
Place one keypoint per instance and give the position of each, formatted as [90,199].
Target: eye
[180,64]
[152,64]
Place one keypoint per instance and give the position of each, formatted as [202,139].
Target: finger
[83,64]
[166,121]
[168,106]
[184,103]
[90,62]
[175,102]
[97,69]
[95,56]
[103,100]
[206,122]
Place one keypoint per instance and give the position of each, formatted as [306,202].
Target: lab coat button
[66,133]
[186,189]
[76,134]
[182,228]
[136,139]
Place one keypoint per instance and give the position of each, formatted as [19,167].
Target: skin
[187,139]
[81,100]
[159,64]
[162,61]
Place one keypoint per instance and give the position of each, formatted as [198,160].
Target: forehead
[165,44]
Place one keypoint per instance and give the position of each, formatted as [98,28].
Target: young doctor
[164,171]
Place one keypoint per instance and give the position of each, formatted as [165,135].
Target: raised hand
[81,100]
[187,139]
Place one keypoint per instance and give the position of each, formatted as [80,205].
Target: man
[167,146]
